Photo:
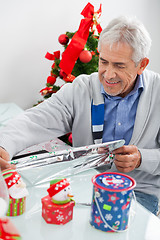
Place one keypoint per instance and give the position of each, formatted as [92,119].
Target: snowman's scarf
[97,114]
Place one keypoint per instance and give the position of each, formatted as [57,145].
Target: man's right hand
[4,160]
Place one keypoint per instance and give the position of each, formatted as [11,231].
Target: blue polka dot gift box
[112,194]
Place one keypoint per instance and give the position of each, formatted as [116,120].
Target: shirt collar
[138,86]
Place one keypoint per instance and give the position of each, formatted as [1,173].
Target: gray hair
[129,30]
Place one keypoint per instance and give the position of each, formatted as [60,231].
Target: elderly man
[121,101]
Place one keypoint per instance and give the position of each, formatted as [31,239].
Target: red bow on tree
[55,55]
[88,12]
[79,39]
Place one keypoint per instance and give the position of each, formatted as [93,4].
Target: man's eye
[120,66]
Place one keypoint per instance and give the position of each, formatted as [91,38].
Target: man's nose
[109,72]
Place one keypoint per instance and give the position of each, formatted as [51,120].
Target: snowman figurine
[60,191]
[57,206]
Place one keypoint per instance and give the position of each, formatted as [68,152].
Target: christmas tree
[80,54]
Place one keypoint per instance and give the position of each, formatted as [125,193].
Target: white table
[31,225]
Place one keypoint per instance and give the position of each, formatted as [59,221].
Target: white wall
[30,28]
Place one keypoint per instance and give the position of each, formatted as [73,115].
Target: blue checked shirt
[120,113]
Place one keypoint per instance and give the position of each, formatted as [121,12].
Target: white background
[30,28]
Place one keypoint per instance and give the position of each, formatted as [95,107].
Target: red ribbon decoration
[69,78]
[79,39]
[8,230]
[53,56]
[88,12]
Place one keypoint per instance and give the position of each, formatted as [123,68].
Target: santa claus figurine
[7,228]
[17,192]
[57,207]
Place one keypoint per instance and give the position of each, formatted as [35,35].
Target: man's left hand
[127,158]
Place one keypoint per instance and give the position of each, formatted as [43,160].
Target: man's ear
[142,65]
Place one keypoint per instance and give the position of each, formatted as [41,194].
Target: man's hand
[4,160]
[127,158]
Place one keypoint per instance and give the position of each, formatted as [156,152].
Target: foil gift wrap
[38,169]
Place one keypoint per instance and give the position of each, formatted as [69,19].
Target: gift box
[16,206]
[55,213]
[8,230]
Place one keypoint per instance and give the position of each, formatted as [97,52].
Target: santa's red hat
[11,177]
[57,185]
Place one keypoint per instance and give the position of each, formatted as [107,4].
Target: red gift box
[56,214]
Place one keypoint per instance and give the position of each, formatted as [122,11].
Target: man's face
[117,71]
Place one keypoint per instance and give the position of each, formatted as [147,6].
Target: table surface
[143,224]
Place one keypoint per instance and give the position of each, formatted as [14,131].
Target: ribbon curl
[79,39]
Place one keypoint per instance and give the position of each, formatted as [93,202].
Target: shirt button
[119,124]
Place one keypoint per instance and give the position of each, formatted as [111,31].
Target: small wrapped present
[56,213]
